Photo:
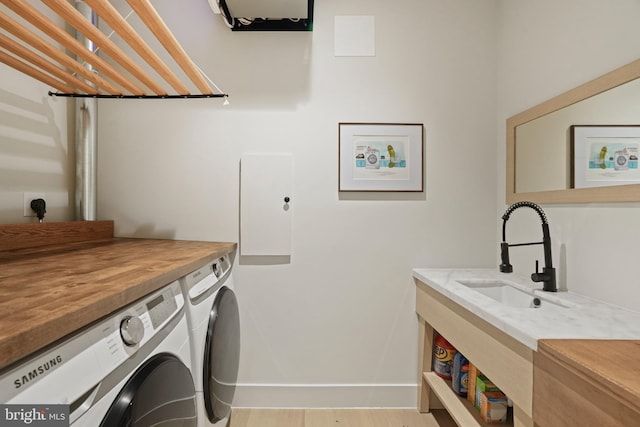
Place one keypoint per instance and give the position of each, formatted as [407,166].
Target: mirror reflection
[602,118]
[543,146]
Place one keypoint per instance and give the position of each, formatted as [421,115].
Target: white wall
[35,154]
[546,48]
[339,319]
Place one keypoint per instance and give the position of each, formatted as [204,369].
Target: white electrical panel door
[266,200]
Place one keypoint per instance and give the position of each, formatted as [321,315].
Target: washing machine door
[221,355]
[159,393]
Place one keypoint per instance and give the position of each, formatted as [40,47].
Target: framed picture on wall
[604,155]
[380,157]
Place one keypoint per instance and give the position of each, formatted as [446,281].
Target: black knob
[286,199]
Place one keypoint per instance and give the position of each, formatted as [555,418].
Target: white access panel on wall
[266,183]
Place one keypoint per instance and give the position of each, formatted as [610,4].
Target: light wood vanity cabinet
[587,383]
[565,383]
[507,362]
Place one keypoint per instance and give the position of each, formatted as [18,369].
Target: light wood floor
[241,417]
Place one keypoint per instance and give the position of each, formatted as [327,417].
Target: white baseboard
[325,396]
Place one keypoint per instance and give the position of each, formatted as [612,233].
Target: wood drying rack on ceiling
[73,78]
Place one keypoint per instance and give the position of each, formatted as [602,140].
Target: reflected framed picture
[604,155]
[380,157]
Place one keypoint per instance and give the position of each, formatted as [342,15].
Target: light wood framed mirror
[540,153]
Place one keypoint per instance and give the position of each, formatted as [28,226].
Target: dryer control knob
[131,330]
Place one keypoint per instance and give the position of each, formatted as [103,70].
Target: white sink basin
[509,294]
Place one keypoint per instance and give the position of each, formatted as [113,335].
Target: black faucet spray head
[505,266]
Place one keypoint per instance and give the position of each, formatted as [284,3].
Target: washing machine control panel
[161,308]
[136,325]
[221,266]
[207,278]
[158,309]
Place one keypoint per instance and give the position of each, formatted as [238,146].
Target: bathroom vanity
[597,382]
[498,321]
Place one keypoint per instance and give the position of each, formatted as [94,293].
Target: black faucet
[548,275]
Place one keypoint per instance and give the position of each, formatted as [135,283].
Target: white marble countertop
[564,315]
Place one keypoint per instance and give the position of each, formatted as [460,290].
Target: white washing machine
[212,313]
[131,369]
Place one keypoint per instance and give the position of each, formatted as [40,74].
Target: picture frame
[604,155]
[381,157]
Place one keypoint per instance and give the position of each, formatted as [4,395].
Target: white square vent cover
[355,36]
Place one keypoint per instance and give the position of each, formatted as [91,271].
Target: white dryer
[212,313]
[131,369]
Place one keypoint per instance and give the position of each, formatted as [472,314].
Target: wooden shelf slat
[62,64]
[80,23]
[33,72]
[154,22]
[111,16]
[40,21]
[33,58]
[454,405]
[54,53]
[460,409]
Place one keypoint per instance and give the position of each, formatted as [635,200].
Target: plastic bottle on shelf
[460,374]
[443,354]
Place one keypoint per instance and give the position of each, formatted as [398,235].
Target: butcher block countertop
[57,278]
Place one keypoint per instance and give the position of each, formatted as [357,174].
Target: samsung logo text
[36,372]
